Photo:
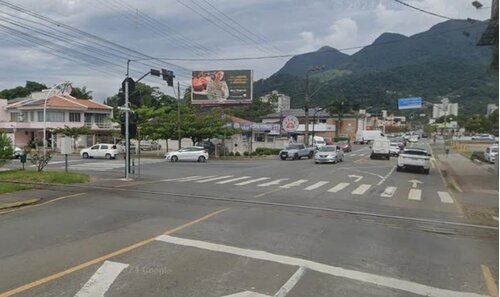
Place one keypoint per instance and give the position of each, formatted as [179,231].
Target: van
[318,142]
[381,148]
[491,153]
[368,136]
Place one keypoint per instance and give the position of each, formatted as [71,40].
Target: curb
[8,205]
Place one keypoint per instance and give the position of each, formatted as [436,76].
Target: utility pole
[306,110]
[178,115]
[127,120]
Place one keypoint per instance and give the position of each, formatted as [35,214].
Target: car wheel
[85,155]
[107,156]
[174,159]
[296,157]
[342,159]
[388,157]
[335,160]
[399,168]
[315,162]
[311,154]
[371,157]
[202,159]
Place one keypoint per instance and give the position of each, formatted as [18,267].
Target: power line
[424,11]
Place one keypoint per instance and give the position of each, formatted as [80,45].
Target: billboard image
[221,87]
[409,103]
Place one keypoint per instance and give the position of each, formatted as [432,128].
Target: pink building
[22,118]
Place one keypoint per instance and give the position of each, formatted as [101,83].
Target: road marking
[43,203]
[361,155]
[292,281]
[432,163]
[232,180]
[316,185]
[379,280]
[490,281]
[194,178]
[388,192]
[213,179]
[247,294]
[182,178]
[445,197]
[354,155]
[338,187]
[105,257]
[361,189]
[294,184]
[272,183]
[102,279]
[386,176]
[415,194]
[252,181]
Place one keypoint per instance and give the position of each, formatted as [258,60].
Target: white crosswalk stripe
[338,187]
[415,194]
[353,155]
[232,180]
[247,182]
[388,192]
[445,197]
[361,189]
[183,178]
[294,184]
[316,185]
[272,183]
[188,179]
[213,179]
[361,155]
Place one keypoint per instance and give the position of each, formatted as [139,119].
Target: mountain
[443,61]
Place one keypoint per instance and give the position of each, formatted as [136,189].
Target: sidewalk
[13,200]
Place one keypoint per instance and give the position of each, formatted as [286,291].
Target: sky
[41,48]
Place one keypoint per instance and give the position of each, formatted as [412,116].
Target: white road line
[294,184]
[272,183]
[432,164]
[361,155]
[102,279]
[388,192]
[292,281]
[252,181]
[353,155]
[386,176]
[361,189]
[445,197]
[183,180]
[379,280]
[213,179]
[415,194]
[232,180]
[338,187]
[316,185]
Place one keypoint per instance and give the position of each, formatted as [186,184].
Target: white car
[17,152]
[329,154]
[394,149]
[491,153]
[483,137]
[102,150]
[414,158]
[193,153]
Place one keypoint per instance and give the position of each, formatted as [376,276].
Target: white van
[318,142]
[381,147]
[368,136]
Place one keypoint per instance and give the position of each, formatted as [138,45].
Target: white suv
[414,158]
[491,153]
[103,150]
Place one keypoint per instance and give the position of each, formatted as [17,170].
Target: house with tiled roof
[23,119]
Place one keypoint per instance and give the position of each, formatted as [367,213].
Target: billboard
[409,103]
[254,126]
[221,87]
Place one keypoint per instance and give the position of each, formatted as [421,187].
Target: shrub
[478,155]
[237,154]
[246,154]
[253,154]
[267,151]
[231,154]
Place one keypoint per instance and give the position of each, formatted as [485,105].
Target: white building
[444,109]
[490,108]
[283,102]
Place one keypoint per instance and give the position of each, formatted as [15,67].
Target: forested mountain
[441,62]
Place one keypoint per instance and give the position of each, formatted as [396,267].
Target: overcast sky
[193,29]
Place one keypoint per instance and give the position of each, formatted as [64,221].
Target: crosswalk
[105,165]
[355,189]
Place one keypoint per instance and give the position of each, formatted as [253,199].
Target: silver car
[329,154]
[193,153]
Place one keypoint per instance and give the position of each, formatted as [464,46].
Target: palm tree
[339,106]
[81,93]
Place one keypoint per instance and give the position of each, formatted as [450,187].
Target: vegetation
[9,188]
[267,151]
[6,149]
[55,177]
[81,93]
[31,86]
[40,159]
[252,112]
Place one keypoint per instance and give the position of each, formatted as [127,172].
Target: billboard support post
[179,115]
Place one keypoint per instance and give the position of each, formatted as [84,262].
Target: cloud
[343,33]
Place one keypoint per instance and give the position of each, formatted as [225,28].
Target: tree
[81,93]
[30,87]
[493,120]
[73,132]
[339,106]
[6,149]
[252,112]
[199,126]
[157,123]
[477,124]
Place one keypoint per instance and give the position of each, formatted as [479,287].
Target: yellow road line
[105,257]
[490,281]
[43,203]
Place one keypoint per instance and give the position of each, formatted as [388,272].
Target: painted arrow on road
[357,177]
[415,182]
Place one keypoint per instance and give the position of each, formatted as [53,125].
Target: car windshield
[327,149]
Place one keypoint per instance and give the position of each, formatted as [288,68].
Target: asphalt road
[275,228]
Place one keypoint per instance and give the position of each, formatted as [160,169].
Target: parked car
[381,148]
[192,153]
[345,145]
[483,137]
[329,154]
[17,152]
[149,145]
[414,158]
[103,150]
[394,149]
[208,146]
[491,153]
[296,151]
[121,147]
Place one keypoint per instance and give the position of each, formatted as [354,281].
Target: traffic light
[168,76]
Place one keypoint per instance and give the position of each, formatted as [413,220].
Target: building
[282,103]
[445,108]
[490,108]
[23,119]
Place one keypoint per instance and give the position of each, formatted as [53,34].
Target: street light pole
[45,116]
[127,135]
[306,109]
[179,115]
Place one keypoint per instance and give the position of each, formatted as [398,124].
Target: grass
[53,177]
[9,188]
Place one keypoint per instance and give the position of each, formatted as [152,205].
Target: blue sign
[409,103]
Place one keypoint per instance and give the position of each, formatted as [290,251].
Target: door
[94,151]
[103,150]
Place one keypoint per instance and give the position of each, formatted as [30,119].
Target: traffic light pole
[127,121]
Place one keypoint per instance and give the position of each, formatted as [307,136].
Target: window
[95,147]
[32,116]
[100,118]
[74,117]
[14,116]
[270,138]
[259,137]
[104,147]
[52,116]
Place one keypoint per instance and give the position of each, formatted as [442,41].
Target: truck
[296,151]
[368,136]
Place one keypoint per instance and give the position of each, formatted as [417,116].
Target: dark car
[345,145]
[208,146]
